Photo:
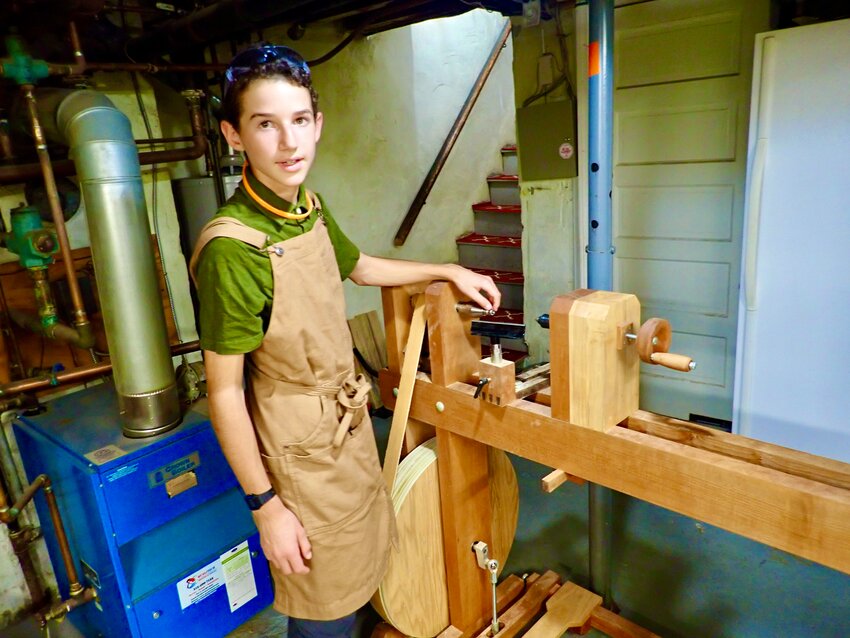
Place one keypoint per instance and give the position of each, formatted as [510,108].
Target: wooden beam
[616,626]
[802,464]
[797,515]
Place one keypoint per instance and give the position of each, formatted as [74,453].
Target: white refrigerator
[792,377]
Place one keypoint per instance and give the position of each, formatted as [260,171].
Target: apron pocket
[327,487]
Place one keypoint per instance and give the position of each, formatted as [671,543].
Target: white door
[682,89]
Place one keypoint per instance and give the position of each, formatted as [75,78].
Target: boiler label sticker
[195,587]
[175,468]
[121,472]
[238,576]
[104,454]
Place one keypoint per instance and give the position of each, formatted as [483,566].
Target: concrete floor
[673,575]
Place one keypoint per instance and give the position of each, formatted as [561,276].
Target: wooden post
[559,351]
[455,352]
[462,463]
[594,378]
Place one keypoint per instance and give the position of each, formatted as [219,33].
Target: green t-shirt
[235,281]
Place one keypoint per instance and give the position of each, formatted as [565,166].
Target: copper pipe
[163,140]
[81,337]
[79,65]
[80,374]
[4,502]
[6,152]
[16,174]
[7,515]
[143,67]
[64,607]
[12,513]
[80,318]
[62,538]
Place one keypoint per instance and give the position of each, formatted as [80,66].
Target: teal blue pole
[600,250]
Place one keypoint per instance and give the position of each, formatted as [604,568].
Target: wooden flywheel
[413,597]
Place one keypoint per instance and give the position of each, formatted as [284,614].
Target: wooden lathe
[588,427]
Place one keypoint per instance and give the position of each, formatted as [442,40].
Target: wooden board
[797,515]
[616,626]
[570,607]
[368,337]
[795,462]
[413,597]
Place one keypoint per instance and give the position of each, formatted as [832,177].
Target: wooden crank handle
[680,362]
[653,336]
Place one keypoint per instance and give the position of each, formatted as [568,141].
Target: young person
[269,270]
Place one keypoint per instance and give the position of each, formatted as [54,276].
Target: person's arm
[378,271]
[282,536]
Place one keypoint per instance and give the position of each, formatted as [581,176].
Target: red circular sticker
[565,150]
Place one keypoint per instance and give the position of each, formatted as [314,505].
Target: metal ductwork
[101,143]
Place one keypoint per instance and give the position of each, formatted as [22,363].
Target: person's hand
[477,287]
[283,538]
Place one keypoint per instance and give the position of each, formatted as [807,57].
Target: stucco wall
[388,103]
[549,207]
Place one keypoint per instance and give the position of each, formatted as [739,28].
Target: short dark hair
[262,62]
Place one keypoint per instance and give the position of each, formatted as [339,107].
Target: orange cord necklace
[277,211]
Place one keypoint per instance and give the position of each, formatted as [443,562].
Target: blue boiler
[158,526]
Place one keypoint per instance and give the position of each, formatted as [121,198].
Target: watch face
[256,501]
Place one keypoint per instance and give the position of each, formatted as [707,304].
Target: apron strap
[351,396]
[405,390]
[225,227]
[234,229]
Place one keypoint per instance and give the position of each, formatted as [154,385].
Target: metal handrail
[451,138]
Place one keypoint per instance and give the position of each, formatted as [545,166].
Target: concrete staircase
[494,247]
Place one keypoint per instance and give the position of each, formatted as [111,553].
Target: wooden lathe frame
[796,502]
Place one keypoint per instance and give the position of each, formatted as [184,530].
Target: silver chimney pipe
[106,159]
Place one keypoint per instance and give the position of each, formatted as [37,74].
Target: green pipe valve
[34,244]
[20,67]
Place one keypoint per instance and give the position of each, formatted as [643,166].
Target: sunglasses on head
[251,58]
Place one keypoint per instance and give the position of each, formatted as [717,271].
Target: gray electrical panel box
[546,141]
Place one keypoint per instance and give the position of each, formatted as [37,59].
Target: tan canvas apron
[313,427]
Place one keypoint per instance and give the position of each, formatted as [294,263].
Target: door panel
[681,107]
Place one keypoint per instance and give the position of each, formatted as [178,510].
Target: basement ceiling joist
[229,19]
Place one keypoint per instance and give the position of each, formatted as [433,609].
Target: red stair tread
[490,240]
[502,276]
[490,207]
[503,178]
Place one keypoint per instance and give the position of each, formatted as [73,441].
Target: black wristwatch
[256,501]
